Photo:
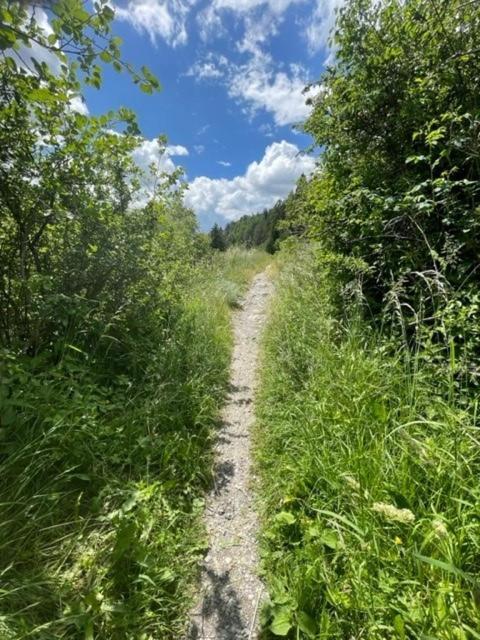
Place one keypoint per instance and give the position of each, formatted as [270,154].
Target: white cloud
[78,104]
[278,93]
[159,18]
[260,20]
[320,25]
[176,150]
[213,66]
[266,129]
[149,153]
[263,183]
[199,148]
[224,163]
[258,86]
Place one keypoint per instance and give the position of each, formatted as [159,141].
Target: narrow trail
[230,594]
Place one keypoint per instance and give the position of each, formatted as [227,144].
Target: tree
[398,186]
[66,179]
[217,238]
[259,229]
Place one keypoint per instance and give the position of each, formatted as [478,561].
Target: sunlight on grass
[370,486]
[102,481]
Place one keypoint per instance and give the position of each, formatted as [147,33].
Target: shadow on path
[222,602]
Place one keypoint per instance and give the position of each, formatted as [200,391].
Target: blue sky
[232,74]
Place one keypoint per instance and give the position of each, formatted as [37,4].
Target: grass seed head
[393,513]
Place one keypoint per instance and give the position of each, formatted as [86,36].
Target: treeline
[257,230]
[368,418]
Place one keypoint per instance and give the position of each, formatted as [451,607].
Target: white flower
[392,513]
[439,528]
[352,483]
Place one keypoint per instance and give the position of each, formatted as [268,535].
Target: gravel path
[230,593]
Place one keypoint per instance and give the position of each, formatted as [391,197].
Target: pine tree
[217,238]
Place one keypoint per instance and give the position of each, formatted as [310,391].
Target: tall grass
[102,476]
[233,270]
[370,493]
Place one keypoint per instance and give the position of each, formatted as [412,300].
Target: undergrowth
[369,468]
[102,473]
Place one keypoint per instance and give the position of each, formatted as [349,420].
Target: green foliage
[258,230]
[398,185]
[369,477]
[79,40]
[217,238]
[99,494]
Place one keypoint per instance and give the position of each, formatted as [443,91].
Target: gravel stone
[231,592]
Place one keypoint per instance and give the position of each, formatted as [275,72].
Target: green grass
[370,486]
[233,270]
[102,475]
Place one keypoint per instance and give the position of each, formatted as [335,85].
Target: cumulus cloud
[278,93]
[320,25]
[159,18]
[78,104]
[224,163]
[257,86]
[167,19]
[149,153]
[260,20]
[263,183]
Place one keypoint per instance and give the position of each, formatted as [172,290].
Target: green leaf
[89,631]
[307,624]
[282,622]
[284,517]
[445,566]
[330,539]
[44,95]
[399,626]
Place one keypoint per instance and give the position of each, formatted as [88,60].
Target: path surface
[231,592]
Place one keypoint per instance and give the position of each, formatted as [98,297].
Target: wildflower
[439,528]
[398,540]
[392,513]
[352,483]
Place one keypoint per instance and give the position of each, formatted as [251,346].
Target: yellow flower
[398,540]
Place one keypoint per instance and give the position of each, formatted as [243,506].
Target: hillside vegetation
[258,230]
[367,440]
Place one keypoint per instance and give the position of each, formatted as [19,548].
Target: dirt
[231,591]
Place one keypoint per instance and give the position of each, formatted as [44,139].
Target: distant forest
[257,230]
